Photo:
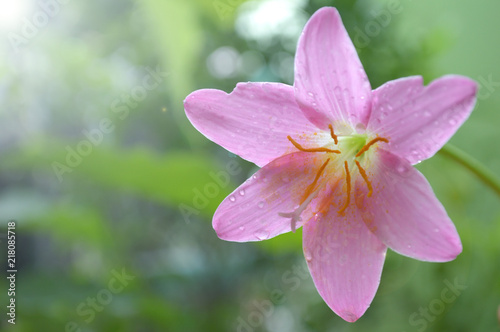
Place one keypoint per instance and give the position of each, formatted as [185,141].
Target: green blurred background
[121,222]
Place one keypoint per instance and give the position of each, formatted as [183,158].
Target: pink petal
[419,120]
[330,83]
[253,121]
[404,212]
[252,211]
[345,260]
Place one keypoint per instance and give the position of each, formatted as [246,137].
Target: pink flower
[337,159]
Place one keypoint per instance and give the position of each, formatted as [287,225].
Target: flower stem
[483,173]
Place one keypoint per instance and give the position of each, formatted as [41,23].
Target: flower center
[352,150]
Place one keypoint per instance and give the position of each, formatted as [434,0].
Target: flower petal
[330,83]
[419,120]
[252,211]
[404,212]
[345,260]
[253,121]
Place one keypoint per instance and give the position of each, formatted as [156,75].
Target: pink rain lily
[337,158]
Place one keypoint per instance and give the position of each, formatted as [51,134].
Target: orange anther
[310,188]
[365,177]
[335,139]
[298,146]
[348,188]
[373,141]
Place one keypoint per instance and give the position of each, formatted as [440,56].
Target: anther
[298,146]
[348,188]
[335,139]
[373,141]
[365,177]
[310,188]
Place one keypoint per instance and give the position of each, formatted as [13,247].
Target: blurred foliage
[129,203]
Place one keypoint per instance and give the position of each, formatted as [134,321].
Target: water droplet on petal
[400,169]
[261,204]
[360,128]
[241,228]
[232,198]
[285,179]
[427,114]
[242,192]
[452,122]
[262,235]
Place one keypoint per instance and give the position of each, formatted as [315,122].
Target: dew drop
[427,114]
[360,128]
[260,204]
[241,228]
[232,198]
[285,179]
[262,235]
[452,122]
[242,192]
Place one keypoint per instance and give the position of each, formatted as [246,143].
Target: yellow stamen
[310,188]
[335,139]
[365,177]
[298,146]
[373,141]
[348,189]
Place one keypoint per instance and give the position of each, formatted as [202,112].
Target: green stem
[483,173]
